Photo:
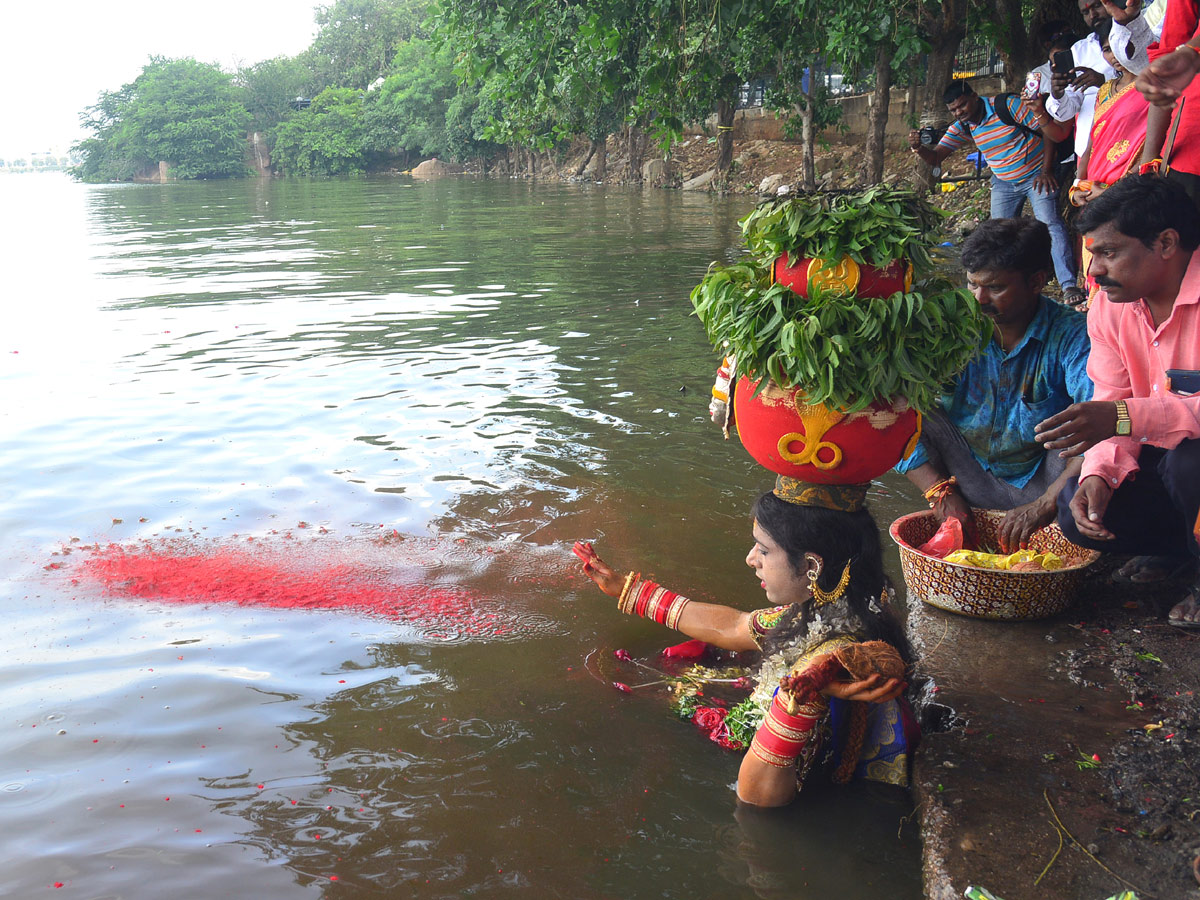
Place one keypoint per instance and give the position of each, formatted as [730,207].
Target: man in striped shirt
[1021,162]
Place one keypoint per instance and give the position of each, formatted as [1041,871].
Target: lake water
[228,406]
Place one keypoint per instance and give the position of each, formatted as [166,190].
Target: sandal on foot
[1186,613]
[1074,297]
[1151,569]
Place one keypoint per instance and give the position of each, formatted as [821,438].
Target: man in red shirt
[1139,489]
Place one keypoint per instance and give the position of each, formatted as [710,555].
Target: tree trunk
[946,32]
[637,151]
[808,157]
[878,117]
[582,167]
[602,160]
[725,111]
[939,72]
[1020,49]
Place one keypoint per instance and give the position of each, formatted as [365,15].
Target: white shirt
[1141,32]
[1081,105]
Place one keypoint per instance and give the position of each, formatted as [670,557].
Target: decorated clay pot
[801,274]
[821,445]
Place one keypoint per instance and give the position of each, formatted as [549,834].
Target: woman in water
[818,559]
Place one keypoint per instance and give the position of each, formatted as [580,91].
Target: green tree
[468,116]
[186,113]
[270,86]
[880,37]
[358,39]
[406,115]
[547,71]
[328,138]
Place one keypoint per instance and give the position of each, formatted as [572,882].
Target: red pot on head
[802,273]
[821,445]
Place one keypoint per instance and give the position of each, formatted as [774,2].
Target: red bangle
[782,736]
[651,601]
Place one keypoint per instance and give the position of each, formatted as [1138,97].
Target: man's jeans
[1006,200]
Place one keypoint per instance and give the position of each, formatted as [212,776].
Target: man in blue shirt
[1034,367]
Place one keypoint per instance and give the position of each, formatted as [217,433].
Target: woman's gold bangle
[629,582]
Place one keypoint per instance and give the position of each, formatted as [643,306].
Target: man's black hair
[956,89]
[1018,245]
[1064,40]
[1143,207]
[1051,30]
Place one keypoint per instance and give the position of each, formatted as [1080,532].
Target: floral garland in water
[733,727]
[688,701]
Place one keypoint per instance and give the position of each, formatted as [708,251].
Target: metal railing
[975,58]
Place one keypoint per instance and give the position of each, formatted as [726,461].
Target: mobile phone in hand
[1183,381]
[1062,62]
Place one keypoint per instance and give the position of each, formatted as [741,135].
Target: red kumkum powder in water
[230,575]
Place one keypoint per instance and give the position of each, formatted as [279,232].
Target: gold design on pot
[825,275]
[817,419]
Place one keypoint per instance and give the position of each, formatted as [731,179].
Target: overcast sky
[56,57]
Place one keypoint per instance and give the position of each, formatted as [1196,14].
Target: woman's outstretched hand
[598,570]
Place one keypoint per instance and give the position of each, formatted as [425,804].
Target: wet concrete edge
[1013,713]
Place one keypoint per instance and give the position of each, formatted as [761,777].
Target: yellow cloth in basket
[1021,561]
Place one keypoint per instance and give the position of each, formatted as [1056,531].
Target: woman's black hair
[836,537]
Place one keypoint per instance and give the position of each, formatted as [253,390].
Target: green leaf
[842,349]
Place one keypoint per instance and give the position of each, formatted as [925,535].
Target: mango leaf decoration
[843,350]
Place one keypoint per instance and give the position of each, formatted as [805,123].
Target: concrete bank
[1066,763]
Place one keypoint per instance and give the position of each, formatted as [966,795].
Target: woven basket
[989,593]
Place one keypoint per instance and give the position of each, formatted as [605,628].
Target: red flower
[620,686]
[709,718]
[686,650]
[622,654]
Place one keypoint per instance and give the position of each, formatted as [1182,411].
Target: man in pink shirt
[1139,489]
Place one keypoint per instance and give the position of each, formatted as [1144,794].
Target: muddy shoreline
[1063,761]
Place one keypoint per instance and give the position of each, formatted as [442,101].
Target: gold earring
[820,597]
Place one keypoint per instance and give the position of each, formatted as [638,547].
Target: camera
[928,136]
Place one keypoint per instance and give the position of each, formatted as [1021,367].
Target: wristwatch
[1124,423]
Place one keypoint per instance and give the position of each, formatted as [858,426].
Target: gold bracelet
[940,490]
[630,580]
